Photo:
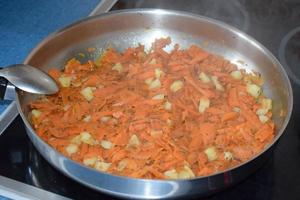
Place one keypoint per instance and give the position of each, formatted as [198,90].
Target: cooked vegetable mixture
[156,115]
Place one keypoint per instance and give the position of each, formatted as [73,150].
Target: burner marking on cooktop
[289,54]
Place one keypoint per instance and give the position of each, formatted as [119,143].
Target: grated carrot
[108,117]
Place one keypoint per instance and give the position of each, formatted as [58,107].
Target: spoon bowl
[29,79]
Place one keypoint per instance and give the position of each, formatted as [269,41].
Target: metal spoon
[29,79]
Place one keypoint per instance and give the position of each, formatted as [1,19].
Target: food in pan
[156,115]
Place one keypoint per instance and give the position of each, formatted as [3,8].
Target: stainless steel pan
[123,29]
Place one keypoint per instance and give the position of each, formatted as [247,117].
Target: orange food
[156,115]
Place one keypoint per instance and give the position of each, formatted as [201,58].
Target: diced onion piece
[87,138]
[204,78]
[90,161]
[236,74]
[158,72]
[167,105]
[105,118]
[236,109]
[176,85]
[203,104]
[148,81]
[266,104]
[76,140]
[153,61]
[66,107]
[186,173]
[117,114]
[228,155]
[102,166]
[87,93]
[133,141]
[261,111]
[211,153]
[263,118]
[71,149]
[155,84]
[158,97]
[65,81]
[118,67]
[254,90]
[106,144]
[36,113]
[171,174]
[217,84]
[169,122]
[155,133]
[121,165]
[87,118]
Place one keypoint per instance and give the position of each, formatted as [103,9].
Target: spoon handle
[3,84]
[1,71]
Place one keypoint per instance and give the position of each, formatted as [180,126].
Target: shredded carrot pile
[157,114]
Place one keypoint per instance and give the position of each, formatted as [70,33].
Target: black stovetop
[275,24]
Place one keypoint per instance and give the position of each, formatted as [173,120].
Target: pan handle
[8,107]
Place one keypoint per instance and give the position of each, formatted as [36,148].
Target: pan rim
[183,14]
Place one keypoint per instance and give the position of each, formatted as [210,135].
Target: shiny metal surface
[8,116]
[103,6]
[16,190]
[11,112]
[128,28]
[29,79]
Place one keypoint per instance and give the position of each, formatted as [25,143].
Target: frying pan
[126,28]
